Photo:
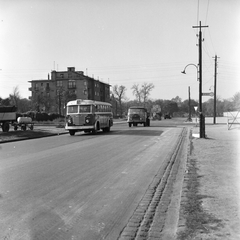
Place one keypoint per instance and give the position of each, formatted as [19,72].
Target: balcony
[30,89]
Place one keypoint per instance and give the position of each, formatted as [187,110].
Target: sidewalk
[216,161]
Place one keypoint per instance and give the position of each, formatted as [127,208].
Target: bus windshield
[85,108]
[73,109]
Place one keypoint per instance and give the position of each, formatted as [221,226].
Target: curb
[46,135]
[34,137]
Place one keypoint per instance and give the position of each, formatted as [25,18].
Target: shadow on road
[135,132]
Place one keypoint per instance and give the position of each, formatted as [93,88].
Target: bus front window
[72,109]
[85,108]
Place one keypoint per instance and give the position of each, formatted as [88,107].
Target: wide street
[80,187]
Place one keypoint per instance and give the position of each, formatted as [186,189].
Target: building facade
[52,94]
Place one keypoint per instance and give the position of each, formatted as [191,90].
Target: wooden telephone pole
[202,123]
[215,90]
[189,106]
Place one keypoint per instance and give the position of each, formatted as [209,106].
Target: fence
[232,118]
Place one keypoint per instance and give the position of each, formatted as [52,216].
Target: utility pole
[202,124]
[189,106]
[215,90]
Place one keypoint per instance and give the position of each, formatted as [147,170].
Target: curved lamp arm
[184,71]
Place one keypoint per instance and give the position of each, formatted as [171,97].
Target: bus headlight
[69,120]
[88,119]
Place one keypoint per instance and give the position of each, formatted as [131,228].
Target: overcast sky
[121,42]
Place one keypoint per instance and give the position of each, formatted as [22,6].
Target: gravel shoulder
[210,207]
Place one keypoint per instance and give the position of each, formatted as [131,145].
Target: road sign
[211,94]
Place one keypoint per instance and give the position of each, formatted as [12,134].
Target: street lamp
[190,64]
[201,134]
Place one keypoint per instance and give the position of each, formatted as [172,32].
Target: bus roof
[86,102]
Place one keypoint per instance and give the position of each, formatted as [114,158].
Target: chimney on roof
[71,69]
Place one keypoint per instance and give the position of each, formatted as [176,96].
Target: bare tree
[119,92]
[236,101]
[178,100]
[24,105]
[142,93]
[137,92]
[146,89]
[15,96]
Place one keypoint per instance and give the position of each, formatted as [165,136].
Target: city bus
[88,116]
[138,115]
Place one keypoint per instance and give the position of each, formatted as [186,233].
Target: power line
[198,12]
[207,12]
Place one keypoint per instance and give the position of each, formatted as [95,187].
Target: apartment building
[52,94]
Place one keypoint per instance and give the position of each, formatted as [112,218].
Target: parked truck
[8,117]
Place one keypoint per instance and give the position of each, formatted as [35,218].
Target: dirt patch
[210,199]
[196,219]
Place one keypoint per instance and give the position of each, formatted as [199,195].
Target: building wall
[64,86]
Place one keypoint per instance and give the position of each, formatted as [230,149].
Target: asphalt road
[79,187]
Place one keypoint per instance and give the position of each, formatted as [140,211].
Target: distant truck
[138,115]
[8,116]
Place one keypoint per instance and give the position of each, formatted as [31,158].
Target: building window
[71,84]
[62,75]
[36,86]
[71,92]
[59,84]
